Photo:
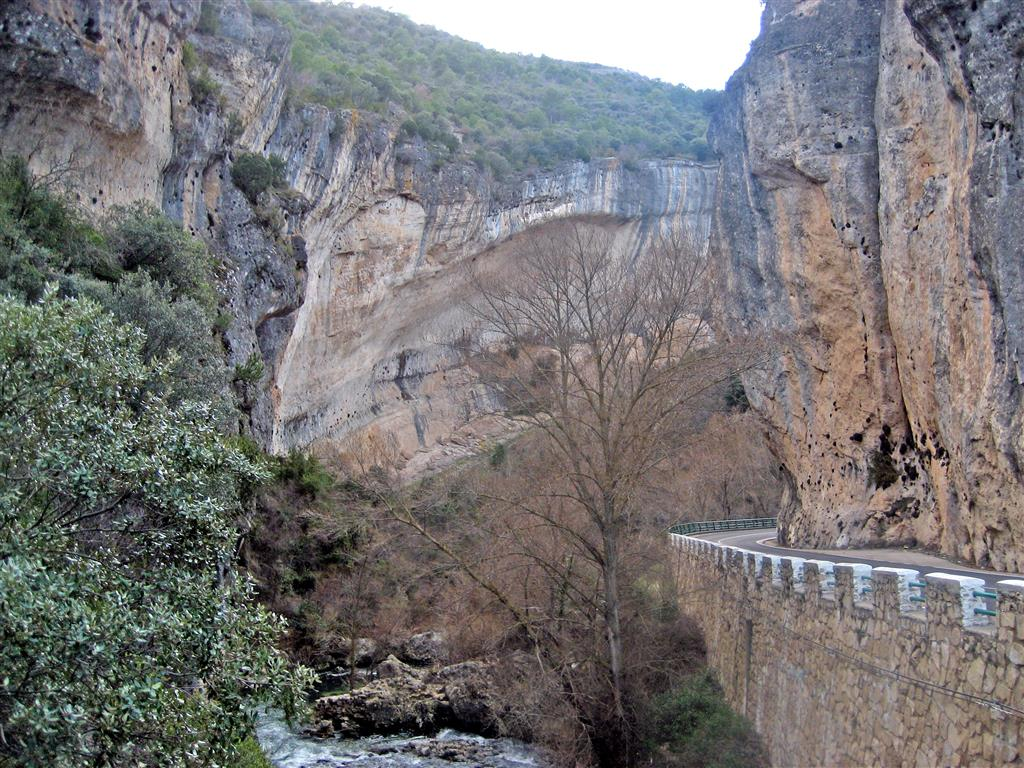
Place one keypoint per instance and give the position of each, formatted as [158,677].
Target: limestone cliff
[869,207]
[350,285]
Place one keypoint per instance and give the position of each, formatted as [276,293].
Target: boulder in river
[408,700]
[425,649]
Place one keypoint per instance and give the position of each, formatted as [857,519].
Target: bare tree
[609,355]
[607,359]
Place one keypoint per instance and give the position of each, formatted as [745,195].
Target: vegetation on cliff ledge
[506,111]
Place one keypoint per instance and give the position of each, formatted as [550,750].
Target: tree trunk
[613,623]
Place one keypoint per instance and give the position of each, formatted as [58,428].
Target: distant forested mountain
[506,111]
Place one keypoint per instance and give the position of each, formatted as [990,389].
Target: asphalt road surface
[763,540]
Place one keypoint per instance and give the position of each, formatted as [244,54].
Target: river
[288,748]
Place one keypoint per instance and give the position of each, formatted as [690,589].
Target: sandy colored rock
[869,209]
[354,298]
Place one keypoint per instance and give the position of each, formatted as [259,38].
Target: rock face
[425,648]
[391,248]
[97,87]
[869,207]
[350,286]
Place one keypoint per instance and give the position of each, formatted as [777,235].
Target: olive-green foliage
[189,57]
[736,395]
[41,233]
[693,727]
[124,637]
[201,83]
[251,370]
[882,470]
[514,111]
[24,266]
[249,755]
[234,128]
[177,330]
[499,455]
[140,265]
[306,471]
[143,238]
[204,88]
[253,173]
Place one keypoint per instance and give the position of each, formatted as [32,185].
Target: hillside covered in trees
[505,111]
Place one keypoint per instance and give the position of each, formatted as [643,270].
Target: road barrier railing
[717,526]
[912,592]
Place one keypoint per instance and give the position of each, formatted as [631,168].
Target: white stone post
[903,578]
[968,602]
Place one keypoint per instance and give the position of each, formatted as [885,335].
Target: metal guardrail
[715,526]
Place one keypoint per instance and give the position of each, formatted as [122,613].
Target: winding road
[763,540]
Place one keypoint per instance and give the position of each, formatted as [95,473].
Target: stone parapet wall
[844,665]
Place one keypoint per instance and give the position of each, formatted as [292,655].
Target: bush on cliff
[139,264]
[125,637]
[144,239]
[42,233]
[254,174]
[306,471]
[177,330]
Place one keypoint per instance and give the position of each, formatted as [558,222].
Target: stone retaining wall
[845,665]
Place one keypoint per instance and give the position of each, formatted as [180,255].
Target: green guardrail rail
[715,526]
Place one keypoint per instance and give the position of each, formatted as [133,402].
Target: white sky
[698,43]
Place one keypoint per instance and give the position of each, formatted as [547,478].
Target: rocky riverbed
[291,748]
[400,698]
[407,706]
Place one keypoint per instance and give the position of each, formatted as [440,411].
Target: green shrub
[249,448]
[143,238]
[204,88]
[42,232]
[144,269]
[177,330]
[222,321]
[248,754]
[882,470]
[234,128]
[251,370]
[736,395]
[306,471]
[693,727]
[254,174]
[24,266]
[189,57]
[499,455]
[122,640]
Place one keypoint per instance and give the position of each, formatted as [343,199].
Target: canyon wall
[869,212]
[867,209]
[390,273]
[350,285]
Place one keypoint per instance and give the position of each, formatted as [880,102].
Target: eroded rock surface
[351,286]
[869,207]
